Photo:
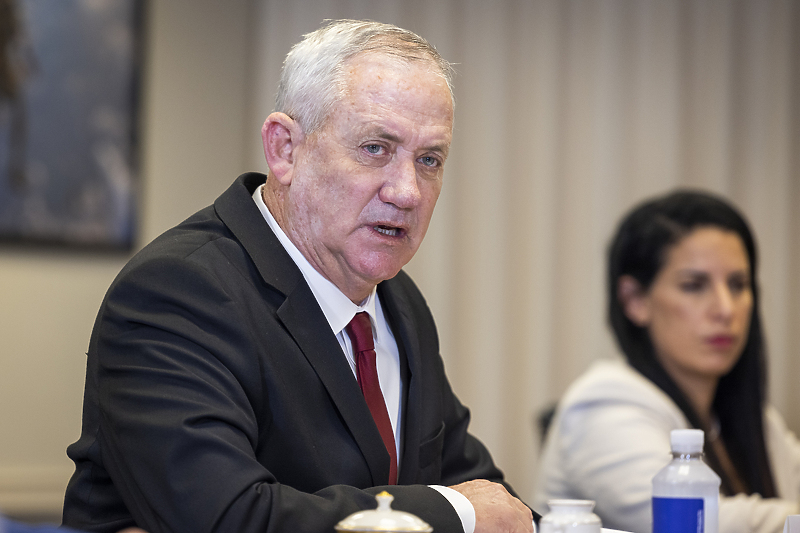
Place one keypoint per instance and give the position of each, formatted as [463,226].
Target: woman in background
[683,305]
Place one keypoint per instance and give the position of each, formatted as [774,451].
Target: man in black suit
[226,390]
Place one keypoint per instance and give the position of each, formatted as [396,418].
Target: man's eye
[373,148]
[429,161]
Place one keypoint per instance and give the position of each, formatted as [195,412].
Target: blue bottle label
[678,515]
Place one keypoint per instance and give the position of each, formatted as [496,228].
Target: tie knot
[360,331]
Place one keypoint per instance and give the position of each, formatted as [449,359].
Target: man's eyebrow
[383,134]
[444,149]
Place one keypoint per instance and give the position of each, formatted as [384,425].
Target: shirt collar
[337,308]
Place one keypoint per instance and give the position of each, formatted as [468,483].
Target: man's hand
[496,511]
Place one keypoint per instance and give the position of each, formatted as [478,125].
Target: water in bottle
[686,491]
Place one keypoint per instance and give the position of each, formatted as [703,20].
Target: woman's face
[697,310]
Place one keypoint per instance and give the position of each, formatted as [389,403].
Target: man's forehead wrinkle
[377,130]
[380,132]
[372,112]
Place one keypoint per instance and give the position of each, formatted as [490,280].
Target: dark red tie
[360,332]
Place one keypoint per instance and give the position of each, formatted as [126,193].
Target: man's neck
[356,290]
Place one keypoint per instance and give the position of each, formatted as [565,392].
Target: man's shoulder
[182,243]
[207,225]
[207,241]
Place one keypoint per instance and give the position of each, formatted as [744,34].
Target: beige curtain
[568,113]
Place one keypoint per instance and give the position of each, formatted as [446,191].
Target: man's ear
[281,135]
[634,300]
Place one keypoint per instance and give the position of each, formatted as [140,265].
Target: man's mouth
[387,230]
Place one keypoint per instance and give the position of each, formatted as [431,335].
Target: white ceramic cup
[570,516]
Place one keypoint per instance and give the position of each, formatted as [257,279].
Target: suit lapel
[397,309]
[238,211]
[304,320]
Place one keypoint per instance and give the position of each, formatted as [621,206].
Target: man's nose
[401,187]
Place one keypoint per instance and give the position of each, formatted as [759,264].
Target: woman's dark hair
[639,249]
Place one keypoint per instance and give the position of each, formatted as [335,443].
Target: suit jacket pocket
[430,457]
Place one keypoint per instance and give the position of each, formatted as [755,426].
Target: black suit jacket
[218,399]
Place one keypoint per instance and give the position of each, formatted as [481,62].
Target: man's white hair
[313,77]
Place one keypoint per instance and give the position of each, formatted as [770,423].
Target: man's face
[363,186]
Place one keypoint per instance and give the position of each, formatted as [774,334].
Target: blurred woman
[684,308]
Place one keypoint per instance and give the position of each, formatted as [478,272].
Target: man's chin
[381,273]
[380,266]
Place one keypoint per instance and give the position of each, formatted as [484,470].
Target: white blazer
[610,436]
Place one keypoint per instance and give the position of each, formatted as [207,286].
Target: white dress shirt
[339,311]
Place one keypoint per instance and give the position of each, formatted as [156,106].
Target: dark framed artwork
[69,77]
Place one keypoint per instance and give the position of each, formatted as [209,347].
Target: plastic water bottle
[686,491]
